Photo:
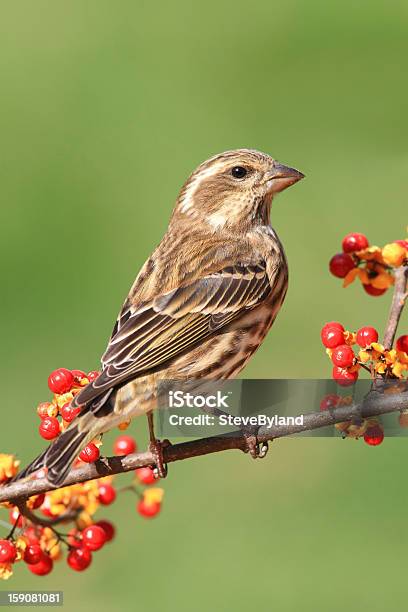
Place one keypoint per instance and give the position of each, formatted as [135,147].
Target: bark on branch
[397,305]
[375,404]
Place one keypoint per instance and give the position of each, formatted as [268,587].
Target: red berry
[43,567]
[107,494]
[8,551]
[79,559]
[49,428]
[33,554]
[68,412]
[92,375]
[341,264]
[374,435]
[344,377]
[124,445]
[32,534]
[108,528]
[148,510]
[330,401]
[38,501]
[16,516]
[354,242]
[366,335]
[333,324]
[74,538]
[93,537]
[42,409]
[145,475]
[332,336]
[60,381]
[78,375]
[402,344]
[90,453]
[373,290]
[343,356]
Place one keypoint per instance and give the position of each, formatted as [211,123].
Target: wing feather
[148,336]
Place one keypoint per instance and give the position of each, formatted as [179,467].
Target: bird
[200,306]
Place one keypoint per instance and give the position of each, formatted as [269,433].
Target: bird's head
[234,188]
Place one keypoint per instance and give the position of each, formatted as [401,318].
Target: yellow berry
[394,254]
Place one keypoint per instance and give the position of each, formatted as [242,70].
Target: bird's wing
[146,337]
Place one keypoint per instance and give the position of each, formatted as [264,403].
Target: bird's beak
[280,177]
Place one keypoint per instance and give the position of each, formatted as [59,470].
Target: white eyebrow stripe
[188,198]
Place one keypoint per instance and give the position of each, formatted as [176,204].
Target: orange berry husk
[402,356]
[352,275]
[364,356]
[64,398]
[8,467]
[399,369]
[383,280]
[343,426]
[124,425]
[350,338]
[372,253]
[52,410]
[6,571]
[356,430]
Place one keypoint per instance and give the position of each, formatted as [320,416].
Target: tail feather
[34,466]
[60,455]
[64,451]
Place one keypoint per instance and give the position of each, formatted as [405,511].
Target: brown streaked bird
[200,306]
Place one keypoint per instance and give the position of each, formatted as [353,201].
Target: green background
[105,108]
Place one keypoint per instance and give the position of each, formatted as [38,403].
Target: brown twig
[41,520]
[397,305]
[375,404]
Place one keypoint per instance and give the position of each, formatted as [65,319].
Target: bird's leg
[156,448]
[253,447]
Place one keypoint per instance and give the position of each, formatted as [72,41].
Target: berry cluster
[57,414]
[371,355]
[371,429]
[38,546]
[371,264]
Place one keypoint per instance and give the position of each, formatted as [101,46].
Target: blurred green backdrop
[105,108]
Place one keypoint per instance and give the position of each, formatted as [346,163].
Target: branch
[397,305]
[374,404]
[70,515]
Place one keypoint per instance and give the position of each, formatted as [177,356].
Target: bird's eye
[239,172]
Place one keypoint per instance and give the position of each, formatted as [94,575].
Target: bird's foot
[156,448]
[256,449]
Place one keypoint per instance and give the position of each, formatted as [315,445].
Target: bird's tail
[60,455]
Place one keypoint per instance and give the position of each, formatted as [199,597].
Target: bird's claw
[156,448]
[257,450]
